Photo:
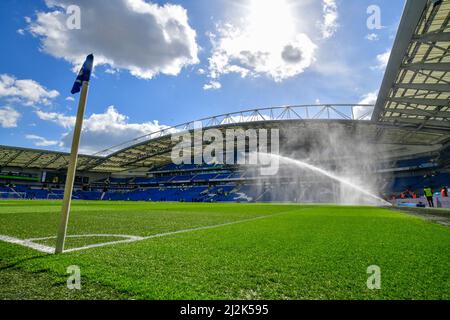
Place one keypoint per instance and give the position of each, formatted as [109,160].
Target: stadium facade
[406,137]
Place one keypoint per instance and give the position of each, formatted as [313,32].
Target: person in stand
[428,193]
[444,192]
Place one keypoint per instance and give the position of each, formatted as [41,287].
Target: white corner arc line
[89,236]
[47,249]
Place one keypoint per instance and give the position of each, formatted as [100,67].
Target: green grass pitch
[290,252]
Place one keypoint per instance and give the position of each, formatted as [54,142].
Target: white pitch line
[208,227]
[97,245]
[48,249]
[170,233]
[27,243]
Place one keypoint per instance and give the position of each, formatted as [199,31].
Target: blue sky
[253,53]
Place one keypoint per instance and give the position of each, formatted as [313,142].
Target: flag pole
[71,171]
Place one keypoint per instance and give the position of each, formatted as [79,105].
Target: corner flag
[81,84]
[84,74]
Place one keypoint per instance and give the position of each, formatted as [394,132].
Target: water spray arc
[305,165]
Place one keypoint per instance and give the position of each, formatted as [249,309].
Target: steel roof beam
[444,66]
[408,24]
[426,102]
[440,87]
[13,158]
[433,37]
[33,160]
[54,159]
[435,124]
[420,112]
[411,127]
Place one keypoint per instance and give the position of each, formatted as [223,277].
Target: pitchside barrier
[55,196]
[13,195]
[439,202]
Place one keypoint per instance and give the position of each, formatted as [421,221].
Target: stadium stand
[410,120]
[229,184]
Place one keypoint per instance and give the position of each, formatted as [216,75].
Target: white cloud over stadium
[41,141]
[101,130]
[382,60]
[159,39]
[362,112]
[25,91]
[269,40]
[330,24]
[9,117]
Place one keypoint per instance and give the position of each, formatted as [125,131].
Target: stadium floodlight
[81,84]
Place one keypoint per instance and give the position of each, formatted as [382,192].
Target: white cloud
[328,67]
[369,98]
[58,118]
[8,117]
[111,71]
[213,85]
[330,24]
[267,42]
[372,37]
[362,112]
[102,130]
[28,92]
[41,141]
[21,32]
[69,98]
[382,60]
[142,37]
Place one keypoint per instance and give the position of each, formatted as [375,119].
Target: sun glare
[265,39]
[271,20]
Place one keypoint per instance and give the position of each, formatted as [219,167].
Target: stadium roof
[411,115]
[40,159]
[157,151]
[415,92]
[154,149]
